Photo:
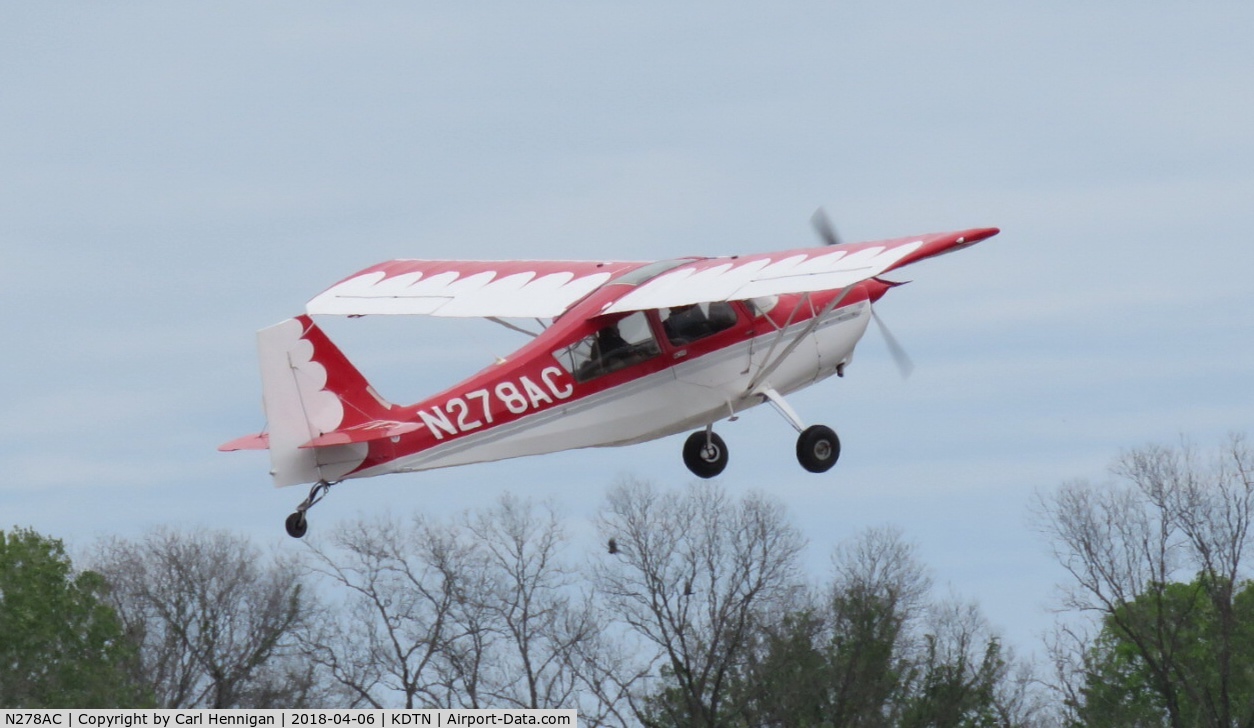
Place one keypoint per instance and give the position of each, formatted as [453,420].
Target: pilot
[611,346]
[684,324]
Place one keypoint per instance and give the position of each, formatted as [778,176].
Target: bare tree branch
[215,620]
[1171,516]
[693,573]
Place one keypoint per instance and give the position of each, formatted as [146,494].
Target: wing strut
[514,327]
[770,365]
[779,333]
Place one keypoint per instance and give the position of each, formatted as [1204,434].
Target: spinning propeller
[905,366]
[823,226]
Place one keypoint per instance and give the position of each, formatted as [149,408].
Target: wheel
[818,448]
[296,524]
[705,458]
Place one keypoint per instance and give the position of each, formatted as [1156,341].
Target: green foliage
[954,692]
[60,647]
[867,666]
[787,680]
[858,660]
[1133,681]
[810,671]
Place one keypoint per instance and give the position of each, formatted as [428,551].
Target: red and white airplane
[626,352]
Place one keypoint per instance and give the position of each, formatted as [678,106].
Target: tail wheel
[818,448]
[296,524]
[705,454]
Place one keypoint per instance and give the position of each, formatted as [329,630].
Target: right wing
[793,271]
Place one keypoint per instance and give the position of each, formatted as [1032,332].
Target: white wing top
[794,271]
[721,279]
[546,289]
[467,288]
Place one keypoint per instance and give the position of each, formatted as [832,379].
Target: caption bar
[167,718]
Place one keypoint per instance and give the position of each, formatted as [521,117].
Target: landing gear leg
[296,524]
[818,448]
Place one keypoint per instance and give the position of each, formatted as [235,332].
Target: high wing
[794,271]
[464,288]
[547,288]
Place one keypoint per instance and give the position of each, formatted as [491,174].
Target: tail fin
[311,390]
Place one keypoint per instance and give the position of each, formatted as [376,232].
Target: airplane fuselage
[635,351]
[539,401]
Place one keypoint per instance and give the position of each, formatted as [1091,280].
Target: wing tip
[975,235]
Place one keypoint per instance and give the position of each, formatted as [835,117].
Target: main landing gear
[296,524]
[705,453]
[818,447]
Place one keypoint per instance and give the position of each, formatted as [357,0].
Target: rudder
[309,389]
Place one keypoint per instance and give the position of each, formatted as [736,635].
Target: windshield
[648,272]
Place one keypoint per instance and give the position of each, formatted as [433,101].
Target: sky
[175,176]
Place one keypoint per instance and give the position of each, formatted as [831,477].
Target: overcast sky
[175,176]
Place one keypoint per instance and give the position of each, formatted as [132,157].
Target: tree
[879,592]
[532,604]
[60,645]
[392,632]
[215,622]
[873,650]
[1118,688]
[694,574]
[481,611]
[844,657]
[784,680]
[958,674]
[1129,548]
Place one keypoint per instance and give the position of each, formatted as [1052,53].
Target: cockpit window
[686,324]
[649,272]
[614,347]
[762,305]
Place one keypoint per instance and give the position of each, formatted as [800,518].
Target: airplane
[625,352]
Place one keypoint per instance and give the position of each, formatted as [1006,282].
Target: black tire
[818,448]
[296,525]
[705,461]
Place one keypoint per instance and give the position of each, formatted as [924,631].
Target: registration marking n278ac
[459,415]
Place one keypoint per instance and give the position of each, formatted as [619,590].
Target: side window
[762,305]
[619,345]
[686,324]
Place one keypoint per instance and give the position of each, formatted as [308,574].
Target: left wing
[467,288]
[795,271]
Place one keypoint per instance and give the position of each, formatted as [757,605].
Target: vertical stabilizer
[309,389]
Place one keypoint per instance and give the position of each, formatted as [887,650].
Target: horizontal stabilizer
[259,441]
[365,432]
